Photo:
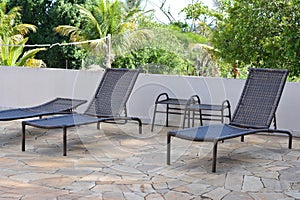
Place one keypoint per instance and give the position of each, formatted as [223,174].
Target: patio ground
[118,163]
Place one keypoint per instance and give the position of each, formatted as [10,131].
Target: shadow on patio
[118,163]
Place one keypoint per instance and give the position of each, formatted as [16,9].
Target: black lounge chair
[254,113]
[53,107]
[108,105]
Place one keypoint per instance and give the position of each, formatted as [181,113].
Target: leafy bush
[154,61]
[260,34]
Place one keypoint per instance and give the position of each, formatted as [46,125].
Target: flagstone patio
[118,163]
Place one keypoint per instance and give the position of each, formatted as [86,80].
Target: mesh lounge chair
[254,113]
[108,104]
[55,106]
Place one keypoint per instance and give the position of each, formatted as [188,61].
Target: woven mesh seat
[55,106]
[108,104]
[253,114]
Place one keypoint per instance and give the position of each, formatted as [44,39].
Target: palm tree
[12,39]
[101,18]
[107,17]
[9,25]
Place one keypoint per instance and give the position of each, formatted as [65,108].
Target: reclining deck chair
[107,105]
[254,113]
[53,107]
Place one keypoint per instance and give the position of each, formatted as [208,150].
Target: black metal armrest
[194,99]
[226,104]
[160,95]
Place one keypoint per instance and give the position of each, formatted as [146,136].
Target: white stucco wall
[21,87]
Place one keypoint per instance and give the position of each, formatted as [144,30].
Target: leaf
[29,55]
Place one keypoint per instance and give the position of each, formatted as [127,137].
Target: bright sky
[174,5]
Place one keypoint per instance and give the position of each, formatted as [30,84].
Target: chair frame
[237,128]
[90,117]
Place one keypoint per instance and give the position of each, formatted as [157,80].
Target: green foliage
[10,25]
[13,55]
[202,18]
[100,18]
[47,14]
[12,40]
[147,22]
[199,11]
[168,41]
[260,33]
[131,31]
[190,37]
[153,60]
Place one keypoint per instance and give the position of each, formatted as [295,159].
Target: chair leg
[140,123]
[242,138]
[140,127]
[200,117]
[189,119]
[193,122]
[290,141]
[222,116]
[65,141]
[184,117]
[153,118]
[168,149]
[167,116]
[214,162]
[275,121]
[23,136]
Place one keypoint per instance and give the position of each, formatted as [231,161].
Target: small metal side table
[191,109]
[212,112]
[174,106]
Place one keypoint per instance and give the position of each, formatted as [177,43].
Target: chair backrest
[260,98]
[112,93]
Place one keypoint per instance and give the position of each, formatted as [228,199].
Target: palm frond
[28,55]
[15,52]
[35,63]
[73,32]
[65,30]
[91,18]
[23,29]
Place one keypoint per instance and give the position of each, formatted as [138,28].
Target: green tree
[47,14]
[260,33]
[12,39]
[196,34]
[9,23]
[202,18]
[101,18]
[154,60]
[173,40]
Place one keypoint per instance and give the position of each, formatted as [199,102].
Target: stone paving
[118,163]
